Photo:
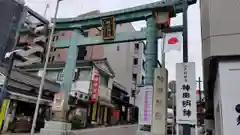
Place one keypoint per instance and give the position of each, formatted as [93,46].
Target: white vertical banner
[186,110]
[145,105]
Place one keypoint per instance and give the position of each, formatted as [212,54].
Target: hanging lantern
[162,20]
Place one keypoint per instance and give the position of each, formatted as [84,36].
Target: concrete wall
[217,108]
[220,24]
[226,98]
[220,21]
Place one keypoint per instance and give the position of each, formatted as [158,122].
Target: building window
[103,80]
[49,59]
[118,47]
[56,38]
[143,64]
[143,79]
[53,57]
[85,74]
[144,47]
[135,61]
[134,77]
[53,49]
[60,76]
[136,45]
[85,34]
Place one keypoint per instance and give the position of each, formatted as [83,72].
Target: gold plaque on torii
[108,28]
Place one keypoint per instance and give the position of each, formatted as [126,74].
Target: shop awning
[103,103]
[27,98]
[32,81]
[119,101]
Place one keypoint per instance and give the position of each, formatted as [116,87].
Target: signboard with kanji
[95,86]
[108,28]
[186,110]
[145,105]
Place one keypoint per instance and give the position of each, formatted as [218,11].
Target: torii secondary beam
[120,38]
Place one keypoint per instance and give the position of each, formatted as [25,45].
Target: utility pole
[199,87]
[186,127]
[163,50]
[44,69]
[46,8]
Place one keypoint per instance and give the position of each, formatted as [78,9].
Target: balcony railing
[143,56]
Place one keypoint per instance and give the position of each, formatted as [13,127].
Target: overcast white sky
[72,8]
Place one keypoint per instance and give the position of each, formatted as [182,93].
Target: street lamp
[44,69]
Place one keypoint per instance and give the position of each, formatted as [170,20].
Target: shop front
[79,106]
[100,114]
[122,108]
[17,118]
[101,111]
[122,111]
[101,97]
[105,107]
[17,110]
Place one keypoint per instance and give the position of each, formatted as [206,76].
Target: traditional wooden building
[124,112]
[90,97]
[19,104]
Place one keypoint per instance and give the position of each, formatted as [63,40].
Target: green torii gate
[150,34]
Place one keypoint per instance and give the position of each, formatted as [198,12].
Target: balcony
[82,86]
[135,69]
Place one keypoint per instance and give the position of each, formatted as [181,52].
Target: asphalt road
[192,131]
[116,130]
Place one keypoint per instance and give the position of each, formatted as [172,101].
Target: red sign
[95,86]
[116,114]
[198,92]
[173,40]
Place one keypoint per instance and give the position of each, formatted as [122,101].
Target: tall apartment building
[139,60]
[127,60]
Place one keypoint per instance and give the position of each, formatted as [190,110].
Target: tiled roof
[32,80]
[79,63]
